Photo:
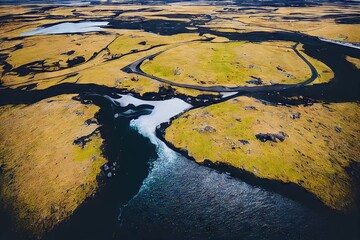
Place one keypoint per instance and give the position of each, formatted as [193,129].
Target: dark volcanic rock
[135,79]
[75,61]
[272,137]
[244,142]
[255,81]
[207,129]
[177,71]
[250,108]
[69,52]
[337,129]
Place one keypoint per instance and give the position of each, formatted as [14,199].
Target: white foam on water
[67,27]
[146,125]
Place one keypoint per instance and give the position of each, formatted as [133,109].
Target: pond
[67,27]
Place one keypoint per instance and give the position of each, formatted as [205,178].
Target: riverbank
[311,146]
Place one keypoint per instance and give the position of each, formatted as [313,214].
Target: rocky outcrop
[272,137]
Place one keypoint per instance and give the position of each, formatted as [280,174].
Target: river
[175,198]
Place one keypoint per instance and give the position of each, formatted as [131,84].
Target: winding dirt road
[135,67]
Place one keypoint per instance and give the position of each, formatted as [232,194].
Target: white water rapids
[146,125]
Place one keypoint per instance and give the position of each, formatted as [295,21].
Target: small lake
[67,27]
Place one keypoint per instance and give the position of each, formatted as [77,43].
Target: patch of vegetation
[354,61]
[319,143]
[45,177]
[314,20]
[53,49]
[229,64]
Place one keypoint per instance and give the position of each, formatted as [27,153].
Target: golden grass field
[233,64]
[45,176]
[313,155]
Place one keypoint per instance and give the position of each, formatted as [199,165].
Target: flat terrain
[315,149]
[231,64]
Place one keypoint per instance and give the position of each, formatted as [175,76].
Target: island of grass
[311,146]
[233,64]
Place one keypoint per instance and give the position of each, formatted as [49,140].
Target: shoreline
[286,189]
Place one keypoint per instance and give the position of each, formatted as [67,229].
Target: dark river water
[162,195]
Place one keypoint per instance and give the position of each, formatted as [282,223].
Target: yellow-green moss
[314,155]
[229,64]
[45,176]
